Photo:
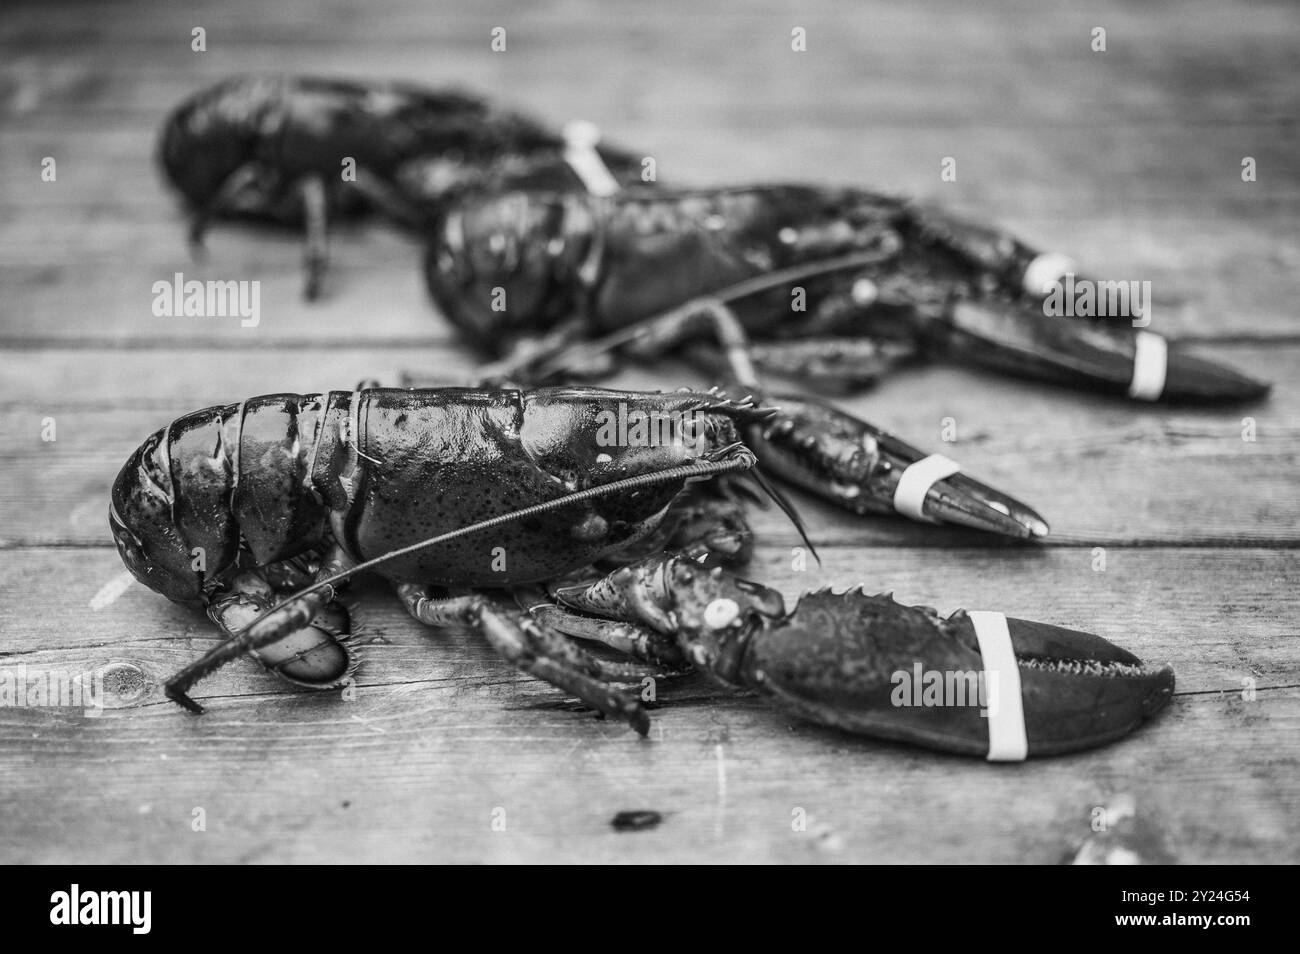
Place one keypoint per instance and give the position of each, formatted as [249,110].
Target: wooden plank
[441,733]
[1102,471]
[1160,603]
[1076,173]
[1023,54]
[1128,160]
[394,784]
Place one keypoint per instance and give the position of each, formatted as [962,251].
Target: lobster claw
[973,684]
[865,470]
[870,665]
[1098,354]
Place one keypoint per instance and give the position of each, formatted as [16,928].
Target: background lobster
[302,151]
[505,202]
[600,543]
[841,283]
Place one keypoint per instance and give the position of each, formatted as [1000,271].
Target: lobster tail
[216,482]
[171,528]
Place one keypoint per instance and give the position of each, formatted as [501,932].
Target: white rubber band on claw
[916,481]
[1003,705]
[1150,365]
[580,138]
[1045,268]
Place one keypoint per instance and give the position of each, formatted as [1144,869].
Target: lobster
[277,149]
[512,206]
[828,286]
[569,525]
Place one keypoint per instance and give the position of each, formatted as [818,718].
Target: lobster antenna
[770,280]
[741,289]
[787,507]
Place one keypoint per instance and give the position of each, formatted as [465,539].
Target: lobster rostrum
[832,286]
[276,149]
[261,510]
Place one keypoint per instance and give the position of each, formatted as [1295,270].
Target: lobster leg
[234,184]
[708,318]
[636,641]
[562,355]
[830,365]
[316,240]
[1000,319]
[863,469]
[871,666]
[311,190]
[860,467]
[532,647]
[1101,354]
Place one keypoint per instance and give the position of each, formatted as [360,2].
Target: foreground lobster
[278,149]
[609,516]
[833,285]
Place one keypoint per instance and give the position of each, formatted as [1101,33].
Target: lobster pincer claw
[865,470]
[975,684]
[1107,355]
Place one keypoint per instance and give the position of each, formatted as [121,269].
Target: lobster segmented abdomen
[275,504]
[221,481]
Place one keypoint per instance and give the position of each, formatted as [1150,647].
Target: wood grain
[1129,160]
[441,732]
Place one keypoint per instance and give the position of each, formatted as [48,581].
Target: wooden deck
[1129,160]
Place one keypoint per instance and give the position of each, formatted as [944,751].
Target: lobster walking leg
[636,641]
[316,248]
[436,612]
[466,610]
[708,317]
[828,365]
[532,647]
[234,184]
